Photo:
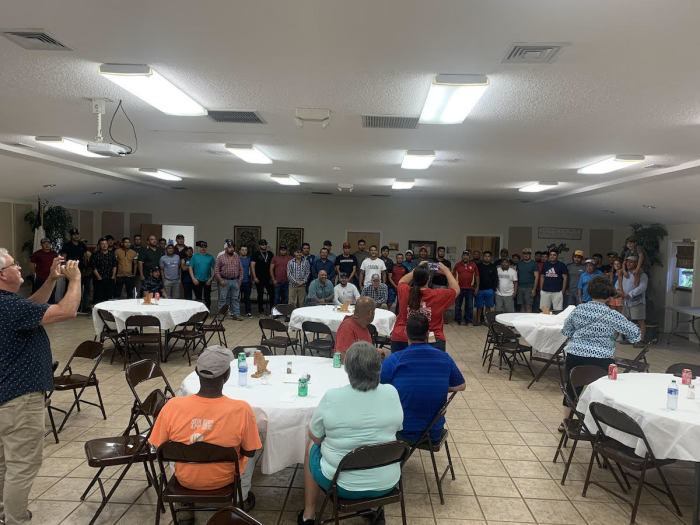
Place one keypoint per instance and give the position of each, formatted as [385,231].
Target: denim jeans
[246,287]
[228,294]
[466,295]
[282,292]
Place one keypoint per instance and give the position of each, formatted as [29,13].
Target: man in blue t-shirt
[423,375]
[553,282]
[585,278]
[201,268]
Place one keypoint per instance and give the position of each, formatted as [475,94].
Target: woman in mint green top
[362,413]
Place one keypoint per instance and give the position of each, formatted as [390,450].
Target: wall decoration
[393,246]
[247,236]
[430,245]
[554,232]
[290,237]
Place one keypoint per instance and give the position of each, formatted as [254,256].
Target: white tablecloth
[327,314]
[282,416]
[170,312]
[671,433]
[542,332]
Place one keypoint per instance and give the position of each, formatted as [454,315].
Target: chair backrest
[145,370]
[232,516]
[285,309]
[142,321]
[491,317]
[197,318]
[372,331]
[614,418]
[440,413]
[251,349]
[223,311]
[502,332]
[373,456]
[153,403]
[200,452]
[273,325]
[106,317]
[583,375]
[92,350]
[677,369]
[316,328]
[642,356]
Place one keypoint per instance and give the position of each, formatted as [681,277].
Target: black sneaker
[249,503]
[302,521]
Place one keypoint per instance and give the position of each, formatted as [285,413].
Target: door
[369,237]
[484,242]
[680,264]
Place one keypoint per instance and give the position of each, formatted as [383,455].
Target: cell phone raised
[433,266]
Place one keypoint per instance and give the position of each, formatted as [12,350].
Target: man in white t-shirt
[373,264]
[507,287]
[345,291]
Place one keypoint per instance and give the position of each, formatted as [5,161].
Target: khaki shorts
[638,312]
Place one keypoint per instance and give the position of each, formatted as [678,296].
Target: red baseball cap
[346,245]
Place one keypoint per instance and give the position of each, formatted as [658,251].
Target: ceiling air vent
[34,39]
[321,193]
[522,53]
[380,195]
[179,188]
[379,121]
[241,117]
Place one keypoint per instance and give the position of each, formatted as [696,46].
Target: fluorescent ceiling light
[248,153]
[285,180]
[159,174]
[403,184]
[538,186]
[418,159]
[611,164]
[69,145]
[145,82]
[452,97]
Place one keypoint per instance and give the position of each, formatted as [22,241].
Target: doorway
[679,285]
[484,242]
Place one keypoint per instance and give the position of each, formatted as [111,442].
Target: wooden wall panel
[87,227]
[113,224]
[519,237]
[601,241]
[135,222]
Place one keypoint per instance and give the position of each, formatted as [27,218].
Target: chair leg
[668,491]
[559,447]
[319,516]
[403,505]
[588,474]
[449,460]
[102,406]
[638,495]
[437,476]
[568,461]
[53,424]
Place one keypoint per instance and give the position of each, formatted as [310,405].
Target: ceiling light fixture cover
[403,184]
[285,180]
[611,164]
[159,174]
[538,186]
[145,82]
[452,97]
[248,153]
[69,145]
[418,159]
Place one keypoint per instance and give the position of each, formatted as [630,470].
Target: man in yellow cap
[575,268]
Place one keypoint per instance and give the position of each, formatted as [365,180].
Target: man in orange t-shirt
[354,327]
[214,418]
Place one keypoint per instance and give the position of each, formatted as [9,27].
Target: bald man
[320,290]
[354,327]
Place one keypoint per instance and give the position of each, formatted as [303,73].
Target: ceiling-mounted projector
[107,149]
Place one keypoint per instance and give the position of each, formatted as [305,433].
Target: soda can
[687,377]
[157,297]
[612,372]
[303,389]
[337,360]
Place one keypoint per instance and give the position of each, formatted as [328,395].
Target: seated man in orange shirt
[354,327]
[214,418]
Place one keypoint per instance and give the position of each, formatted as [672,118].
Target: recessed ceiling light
[248,153]
[96,193]
[337,168]
[538,186]
[649,206]
[344,186]
[611,164]
[285,180]
[145,82]
[69,145]
[403,184]
[49,186]
[418,159]
[159,174]
[452,97]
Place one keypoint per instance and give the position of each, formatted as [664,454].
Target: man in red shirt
[467,275]
[41,261]
[278,275]
[354,327]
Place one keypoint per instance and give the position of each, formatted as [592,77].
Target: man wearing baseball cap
[347,264]
[585,278]
[575,269]
[211,417]
[201,267]
[41,261]
[75,250]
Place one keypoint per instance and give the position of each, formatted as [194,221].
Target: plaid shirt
[298,271]
[228,267]
[380,294]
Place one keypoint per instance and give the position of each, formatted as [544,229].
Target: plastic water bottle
[672,396]
[243,373]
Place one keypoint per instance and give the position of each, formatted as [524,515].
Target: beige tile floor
[502,435]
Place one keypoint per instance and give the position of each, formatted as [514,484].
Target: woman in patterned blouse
[591,329]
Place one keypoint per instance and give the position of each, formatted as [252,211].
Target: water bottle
[243,373]
[672,396]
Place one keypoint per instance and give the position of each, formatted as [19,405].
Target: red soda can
[687,377]
[612,372]
[157,297]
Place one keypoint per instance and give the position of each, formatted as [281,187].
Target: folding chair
[322,338]
[216,326]
[556,358]
[509,349]
[276,341]
[170,490]
[363,458]
[47,404]
[574,427]
[426,443]
[116,337]
[490,335]
[286,310]
[249,350]
[138,373]
[677,369]
[620,454]
[77,383]
[232,516]
[192,333]
[137,339]
[638,364]
[380,341]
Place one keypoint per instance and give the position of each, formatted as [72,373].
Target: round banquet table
[170,312]
[673,434]
[282,416]
[542,332]
[327,314]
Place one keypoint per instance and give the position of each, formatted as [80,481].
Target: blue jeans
[282,292]
[571,298]
[466,295]
[229,295]
[246,287]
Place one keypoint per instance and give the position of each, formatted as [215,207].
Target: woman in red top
[419,298]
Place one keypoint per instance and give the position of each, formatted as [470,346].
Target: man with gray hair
[378,291]
[26,374]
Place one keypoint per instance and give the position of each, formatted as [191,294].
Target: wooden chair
[192,333]
[509,350]
[380,341]
[232,516]
[216,326]
[276,341]
[612,450]
[137,339]
[638,364]
[77,383]
[322,339]
[363,458]
[249,350]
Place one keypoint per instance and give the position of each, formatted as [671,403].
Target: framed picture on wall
[430,245]
[290,237]
[247,236]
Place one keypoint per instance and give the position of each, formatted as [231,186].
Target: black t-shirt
[488,276]
[345,263]
[75,253]
[440,279]
[262,265]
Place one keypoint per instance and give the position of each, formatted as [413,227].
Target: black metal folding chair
[138,340]
[216,326]
[192,333]
[638,364]
[322,339]
[232,516]
[276,341]
[509,350]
